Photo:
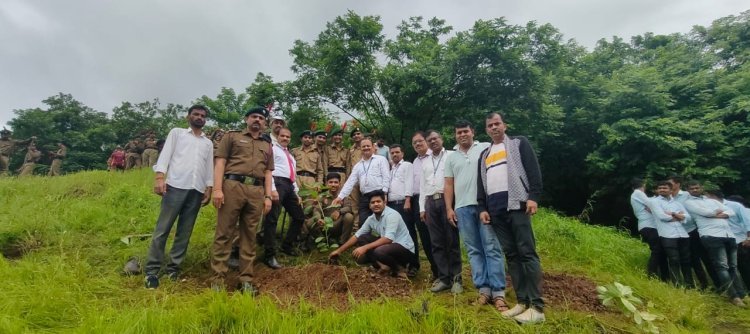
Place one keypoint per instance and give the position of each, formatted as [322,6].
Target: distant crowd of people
[33,155]
[365,198]
[695,233]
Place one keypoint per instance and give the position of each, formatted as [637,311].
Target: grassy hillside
[64,275]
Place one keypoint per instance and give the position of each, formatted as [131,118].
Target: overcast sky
[104,52]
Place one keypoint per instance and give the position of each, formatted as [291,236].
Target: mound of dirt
[570,292]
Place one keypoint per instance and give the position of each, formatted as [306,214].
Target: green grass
[69,278]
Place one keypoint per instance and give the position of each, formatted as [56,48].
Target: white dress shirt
[662,209]
[372,174]
[703,210]
[282,167]
[417,171]
[433,180]
[401,181]
[187,160]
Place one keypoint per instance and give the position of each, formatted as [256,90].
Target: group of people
[138,152]
[33,155]
[695,232]
[484,192]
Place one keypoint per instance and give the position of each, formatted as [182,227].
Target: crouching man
[382,241]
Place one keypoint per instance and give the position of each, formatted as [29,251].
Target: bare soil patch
[570,292]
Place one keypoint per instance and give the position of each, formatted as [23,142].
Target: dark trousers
[743,265]
[424,235]
[289,200]
[407,216]
[446,250]
[678,259]
[657,262]
[363,207]
[184,203]
[699,259]
[392,255]
[723,255]
[516,237]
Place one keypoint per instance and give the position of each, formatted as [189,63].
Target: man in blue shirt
[670,218]
[383,240]
[657,262]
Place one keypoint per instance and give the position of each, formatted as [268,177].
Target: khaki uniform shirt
[245,155]
[355,155]
[337,157]
[309,160]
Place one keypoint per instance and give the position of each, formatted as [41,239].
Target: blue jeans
[184,203]
[723,255]
[485,253]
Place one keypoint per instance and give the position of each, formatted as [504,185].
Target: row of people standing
[32,157]
[137,153]
[695,232]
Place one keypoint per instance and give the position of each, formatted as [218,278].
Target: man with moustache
[370,174]
[242,180]
[285,189]
[508,189]
[399,196]
[420,147]
[187,162]
[277,122]
[337,155]
[444,237]
[309,162]
[482,246]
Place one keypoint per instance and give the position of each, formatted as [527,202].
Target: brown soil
[339,286]
[12,252]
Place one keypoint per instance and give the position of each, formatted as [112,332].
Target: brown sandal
[500,304]
[482,300]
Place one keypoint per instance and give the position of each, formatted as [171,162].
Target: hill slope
[63,260]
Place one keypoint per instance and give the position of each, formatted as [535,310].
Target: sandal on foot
[500,304]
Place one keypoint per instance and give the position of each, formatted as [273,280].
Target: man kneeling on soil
[383,240]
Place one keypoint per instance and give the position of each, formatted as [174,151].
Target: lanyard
[435,167]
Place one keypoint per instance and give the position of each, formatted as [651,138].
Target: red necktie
[291,167]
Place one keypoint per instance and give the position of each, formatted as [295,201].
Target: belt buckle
[437,196]
[249,180]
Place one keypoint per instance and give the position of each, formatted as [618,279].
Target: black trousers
[699,259]
[446,250]
[392,255]
[657,262]
[363,206]
[678,258]
[407,216]
[289,200]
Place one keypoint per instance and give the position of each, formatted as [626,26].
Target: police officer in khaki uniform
[7,146]
[132,154]
[321,140]
[55,169]
[29,162]
[355,155]
[242,188]
[337,155]
[343,219]
[150,153]
[309,162]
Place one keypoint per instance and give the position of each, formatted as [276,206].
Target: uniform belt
[337,169]
[436,196]
[255,181]
[399,202]
[303,173]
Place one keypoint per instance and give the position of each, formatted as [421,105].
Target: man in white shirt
[670,217]
[446,250]
[399,196]
[639,201]
[419,144]
[284,191]
[712,218]
[187,161]
[371,173]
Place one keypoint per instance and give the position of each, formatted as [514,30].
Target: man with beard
[309,162]
[508,188]
[482,246]
[371,173]
[187,161]
[242,180]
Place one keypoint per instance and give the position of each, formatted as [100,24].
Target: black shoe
[248,288]
[173,276]
[152,282]
[272,263]
[288,250]
[412,272]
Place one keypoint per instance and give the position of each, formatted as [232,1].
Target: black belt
[436,196]
[255,181]
[399,202]
[337,169]
[303,173]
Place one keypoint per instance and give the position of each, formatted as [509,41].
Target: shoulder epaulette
[266,137]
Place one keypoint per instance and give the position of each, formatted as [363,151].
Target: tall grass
[69,279]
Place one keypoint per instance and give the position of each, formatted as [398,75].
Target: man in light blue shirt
[740,207]
[670,218]
[740,226]
[698,255]
[713,226]
[657,262]
[382,241]
[482,245]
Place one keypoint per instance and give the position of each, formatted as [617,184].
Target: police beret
[306,133]
[321,133]
[354,130]
[257,110]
